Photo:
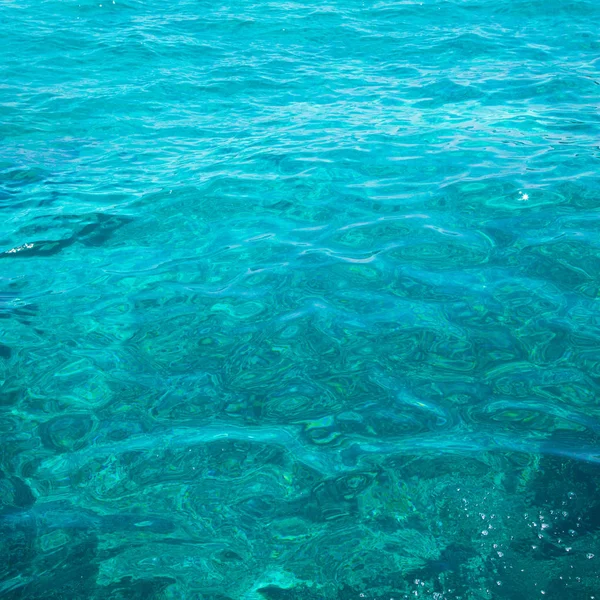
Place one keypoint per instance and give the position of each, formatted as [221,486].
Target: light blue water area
[300,300]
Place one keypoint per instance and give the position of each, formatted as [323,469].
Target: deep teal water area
[300,300]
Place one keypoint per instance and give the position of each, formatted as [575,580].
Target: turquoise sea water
[300,300]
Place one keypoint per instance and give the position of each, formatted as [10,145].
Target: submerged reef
[261,517]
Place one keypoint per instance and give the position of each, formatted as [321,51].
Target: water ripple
[299,300]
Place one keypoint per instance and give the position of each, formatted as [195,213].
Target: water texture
[300,300]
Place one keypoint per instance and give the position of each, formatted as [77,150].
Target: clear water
[300,300]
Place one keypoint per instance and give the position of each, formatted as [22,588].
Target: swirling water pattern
[300,300]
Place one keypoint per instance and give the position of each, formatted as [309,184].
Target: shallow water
[300,300]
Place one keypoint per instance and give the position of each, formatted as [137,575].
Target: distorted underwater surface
[300,300]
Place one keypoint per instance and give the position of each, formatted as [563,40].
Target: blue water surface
[300,300]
